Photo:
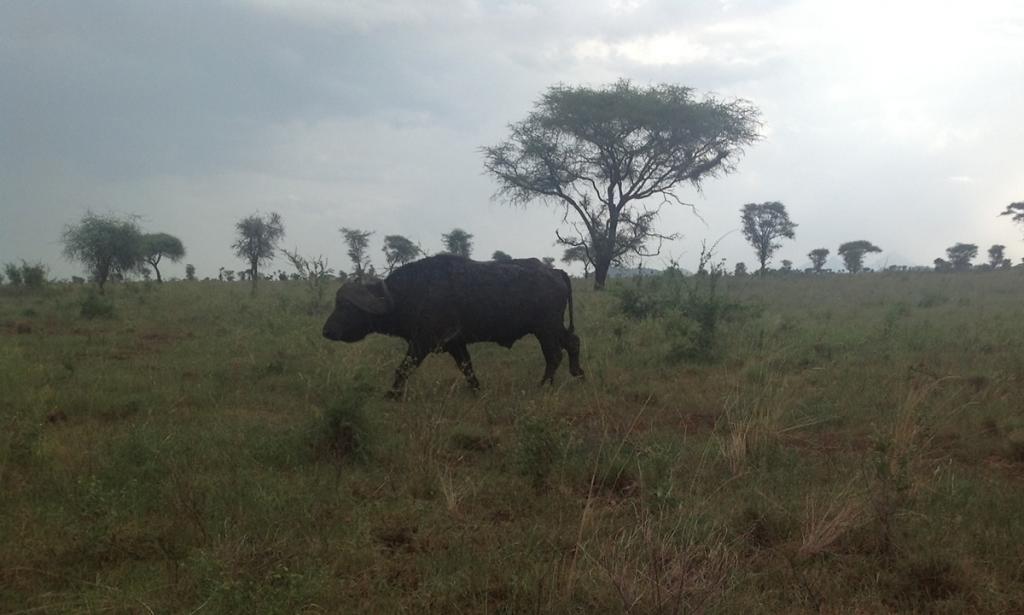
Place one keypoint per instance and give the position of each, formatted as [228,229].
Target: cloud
[370,114]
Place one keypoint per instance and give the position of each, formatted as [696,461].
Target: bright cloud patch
[658,50]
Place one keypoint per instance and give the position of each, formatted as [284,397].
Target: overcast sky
[895,121]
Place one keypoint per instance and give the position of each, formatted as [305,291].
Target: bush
[537,446]
[13,274]
[94,306]
[27,275]
[637,304]
[344,431]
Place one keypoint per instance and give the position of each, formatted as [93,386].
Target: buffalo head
[357,308]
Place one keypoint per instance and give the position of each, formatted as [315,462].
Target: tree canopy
[610,157]
[961,255]
[106,244]
[853,254]
[1015,211]
[257,241]
[156,246]
[458,242]
[997,257]
[578,254]
[399,250]
[763,225]
[358,241]
[818,256]
[500,256]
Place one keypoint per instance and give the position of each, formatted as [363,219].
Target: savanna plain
[792,443]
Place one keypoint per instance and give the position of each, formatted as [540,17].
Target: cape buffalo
[441,303]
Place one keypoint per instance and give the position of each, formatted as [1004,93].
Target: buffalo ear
[363,297]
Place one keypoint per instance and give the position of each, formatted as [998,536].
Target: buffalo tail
[568,285]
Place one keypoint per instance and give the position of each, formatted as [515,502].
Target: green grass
[850,443]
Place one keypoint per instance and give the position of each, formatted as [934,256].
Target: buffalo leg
[413,357]
[571,343]
[552,356]
[460,353]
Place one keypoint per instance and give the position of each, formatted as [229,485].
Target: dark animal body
[442,303]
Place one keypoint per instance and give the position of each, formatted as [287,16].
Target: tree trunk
[253,274]
[602,263]
[153,263]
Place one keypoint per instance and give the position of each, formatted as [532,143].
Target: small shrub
[537,446]
[638,305]
[95,306]
[344,430]
[13,274]
[28,275]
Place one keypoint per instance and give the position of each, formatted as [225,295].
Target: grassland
[846,444]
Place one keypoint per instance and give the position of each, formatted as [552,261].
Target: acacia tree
[763,225]
[257,241]
[603,155]
[190,272]
[853,254]
[314,271]
[458,242]
[1015,211]
[106,244]
[358,241]
[578,254]
[156,246]
[818,256]
[500,256]
[961,255]
[997,257]
[399,250]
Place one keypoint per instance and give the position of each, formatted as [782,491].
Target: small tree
[578,254]
[458,242]
[549,261]
[997,257]
[28,275]
[257,241]
[399,250]
[942,265]
[961,255]
[314,271]
[190,272]
[500,256]
[787,266]
[740,270]
[853,253]
[763,225]
[157,246]
[357,241]
[13,274]
[609,156]
[105,244]
[818,256]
